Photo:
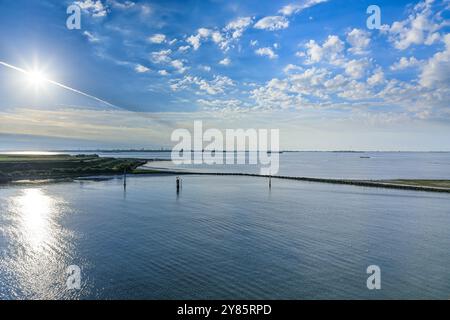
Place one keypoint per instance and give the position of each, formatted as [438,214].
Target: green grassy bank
[32,167]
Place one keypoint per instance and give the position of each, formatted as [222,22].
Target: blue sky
[310,68]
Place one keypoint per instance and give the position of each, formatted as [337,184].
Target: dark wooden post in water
[270,182]
[125,178]
[178,184]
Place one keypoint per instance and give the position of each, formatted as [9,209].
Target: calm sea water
[338,165]
[222,238]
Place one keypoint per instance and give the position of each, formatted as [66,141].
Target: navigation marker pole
[270,180]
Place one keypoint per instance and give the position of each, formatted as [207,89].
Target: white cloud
[233,31]
[268,52]
[204,33]
[291,67]
[419,28]
[205,68]
[196,40]
[239,24]
[359,41]
[145,9]
[184,48]
[296,8]
[223,38]
[157,38]
[272,23]
[122,5]
[163,72]
[377,78]
[356,68]
[254,43]
[405,63]
[213,87]
[141,69]
[91,37]
[225,62]
[217,37]
[436,71]
[223,104]
[95,8]
[179,65]
[330,51]
[162,56]
[275,95]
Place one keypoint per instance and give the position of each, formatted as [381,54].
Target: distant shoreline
[14,168]
[80,151]
[402,184]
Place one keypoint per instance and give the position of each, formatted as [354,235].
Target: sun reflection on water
[39,247]
[35,212]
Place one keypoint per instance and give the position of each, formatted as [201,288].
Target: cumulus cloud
[377,78]
[241,23]
[291,67]
[356,68]
[421,27]
[436,71]
[157,38]
[232,32]
[184,48]
[196,40]
[139,68]
[162,56]
[179,66]
[405,63]
[225,62]
[224,38]
[217,37]
[215,86]
[94,8]
[359,41]
[268,52]
[272,23]
[330,51]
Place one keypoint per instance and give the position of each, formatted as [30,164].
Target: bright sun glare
[37,78]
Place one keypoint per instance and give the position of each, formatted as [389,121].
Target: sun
[36,78]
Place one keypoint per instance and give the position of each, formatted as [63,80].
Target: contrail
[59,85]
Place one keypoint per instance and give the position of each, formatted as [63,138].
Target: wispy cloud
[294,8]
[272,23]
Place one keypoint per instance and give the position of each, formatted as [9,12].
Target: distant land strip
[15,168]
[414,185]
